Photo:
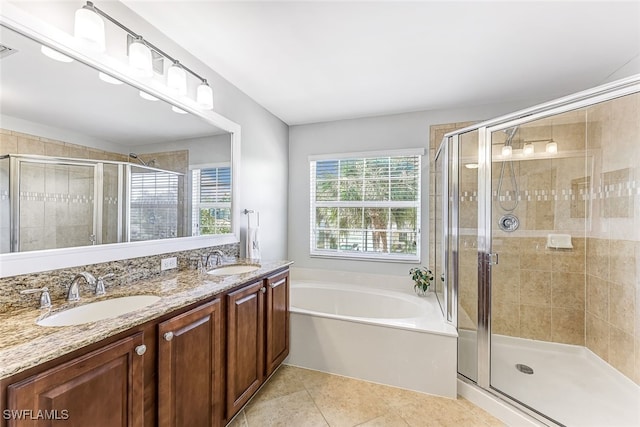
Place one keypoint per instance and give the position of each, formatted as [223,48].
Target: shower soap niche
[559,241]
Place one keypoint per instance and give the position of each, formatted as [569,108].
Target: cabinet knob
[141,349]
[168,336]
[263,289]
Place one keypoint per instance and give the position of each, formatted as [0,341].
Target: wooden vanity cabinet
[195,367]
[277,320]
[245,344]
[190,368]
[103,388]
[257,336]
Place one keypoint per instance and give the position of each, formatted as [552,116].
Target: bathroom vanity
[193,359]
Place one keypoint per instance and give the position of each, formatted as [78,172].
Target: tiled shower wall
[588,295]
[58,200]
[613,243]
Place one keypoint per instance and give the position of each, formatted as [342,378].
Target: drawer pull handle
[263,289]
[168,336]
[141,349]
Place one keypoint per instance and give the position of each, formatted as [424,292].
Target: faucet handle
[100,290]
[45,297]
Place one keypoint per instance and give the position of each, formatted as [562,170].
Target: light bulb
[177,79]
[471,165]
[54,54]
[528,149]
[204,96]
[148,97]
[89,28]
[140,58]
[507,151]
[551,147]
[108,79]
[178,110]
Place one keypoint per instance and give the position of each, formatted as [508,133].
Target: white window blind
[154,205]
[211,199]
[366,207]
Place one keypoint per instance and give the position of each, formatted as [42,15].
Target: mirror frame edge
[18,263]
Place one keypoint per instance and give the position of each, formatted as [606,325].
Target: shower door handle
[492,259]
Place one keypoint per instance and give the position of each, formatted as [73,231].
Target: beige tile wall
[589,295]
[613,246]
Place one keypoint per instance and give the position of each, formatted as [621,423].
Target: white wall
[264,155]
[407,130]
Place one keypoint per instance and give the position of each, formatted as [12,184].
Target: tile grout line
[315,404]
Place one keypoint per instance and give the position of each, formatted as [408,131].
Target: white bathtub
[385,336]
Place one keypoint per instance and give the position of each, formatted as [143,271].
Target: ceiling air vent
[6,51]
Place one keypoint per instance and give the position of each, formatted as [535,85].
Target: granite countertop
[24,344]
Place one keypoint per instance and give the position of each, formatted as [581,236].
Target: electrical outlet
[168,263]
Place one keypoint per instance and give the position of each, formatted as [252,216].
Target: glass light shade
[177,79]
[551,147]
[89,29]
[54,54]
[204,96]
[507,151]
[140,58]
[148,97]
[178,110]
[528,149]
[108,79]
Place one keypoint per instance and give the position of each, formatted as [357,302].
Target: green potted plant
[423,278]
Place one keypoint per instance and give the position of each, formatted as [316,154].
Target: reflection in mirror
[87,160]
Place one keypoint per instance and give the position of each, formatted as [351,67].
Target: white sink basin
[229,270]
[98,310]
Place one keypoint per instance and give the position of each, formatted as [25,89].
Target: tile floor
[296,397]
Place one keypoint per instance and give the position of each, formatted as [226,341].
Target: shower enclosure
[49,202]
[537,218]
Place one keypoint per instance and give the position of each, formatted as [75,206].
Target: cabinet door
[245,345]
[277,313]
[189,368]
[104,388]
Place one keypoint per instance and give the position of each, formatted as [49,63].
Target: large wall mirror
[87,160]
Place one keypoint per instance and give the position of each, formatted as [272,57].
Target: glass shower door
[56,207]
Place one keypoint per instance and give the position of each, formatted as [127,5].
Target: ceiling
[312,61]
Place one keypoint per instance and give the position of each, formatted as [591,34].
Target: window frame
[314,252]
[196,205]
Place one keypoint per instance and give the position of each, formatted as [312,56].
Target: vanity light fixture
[140,59]
[144,57]
[528,150]
[551,147]
[204,96]
[54,54]
[507,151]
[145,95]
[108,79]
[177,78]
[89,27]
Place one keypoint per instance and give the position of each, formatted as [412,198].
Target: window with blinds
[153,205]
[211,200]
[366,207]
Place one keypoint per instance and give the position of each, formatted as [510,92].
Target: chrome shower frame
[450,149]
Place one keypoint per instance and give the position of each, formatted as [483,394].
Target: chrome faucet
[74,288]
[45,298]
[219,255]
[100,290]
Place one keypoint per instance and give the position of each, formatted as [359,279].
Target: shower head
[135,156]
